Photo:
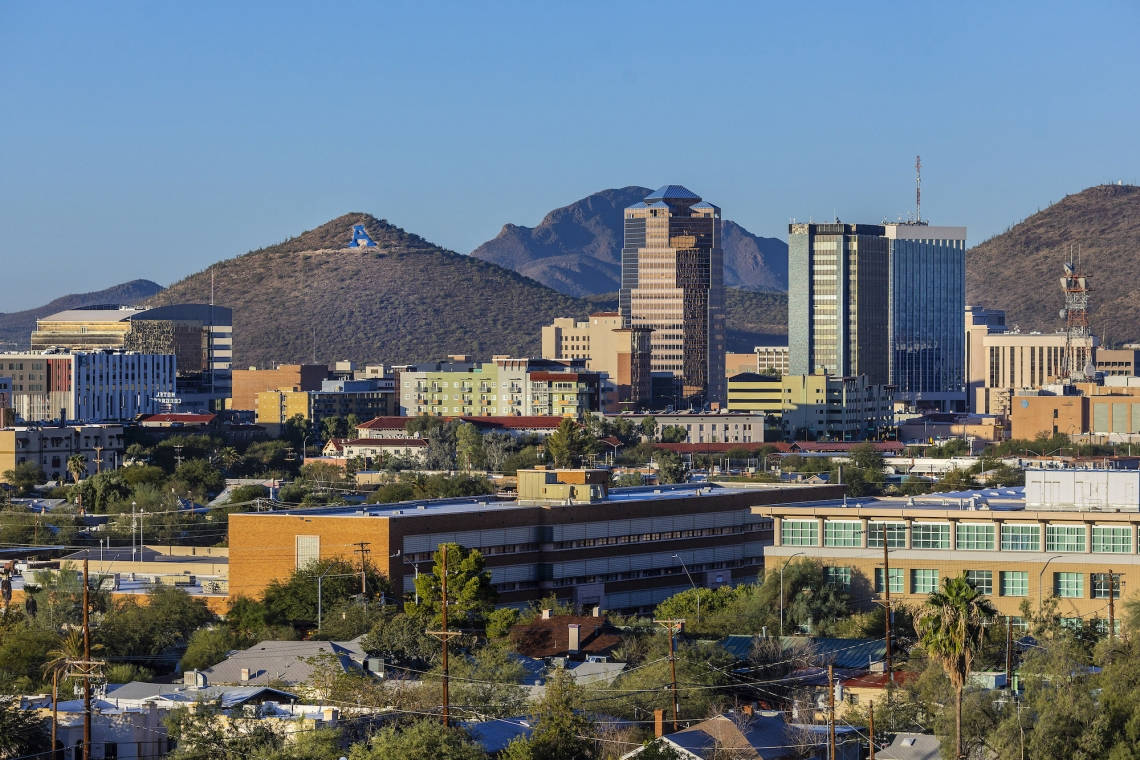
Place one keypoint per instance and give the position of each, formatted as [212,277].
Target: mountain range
[576,249]
[1020,270]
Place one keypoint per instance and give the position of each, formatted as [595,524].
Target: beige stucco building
[622,353]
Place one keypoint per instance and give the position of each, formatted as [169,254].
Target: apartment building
[248,383]
[364,399]
[619,353]
[1058,537]
[711,427]
[567,534]
[501,387]
[816,406]
[51,446]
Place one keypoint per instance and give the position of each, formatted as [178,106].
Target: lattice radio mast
[1076,315]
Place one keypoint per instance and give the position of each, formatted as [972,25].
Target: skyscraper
[928,300]
[672,281]
[839,300]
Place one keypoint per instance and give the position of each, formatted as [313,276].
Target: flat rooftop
[1010,499]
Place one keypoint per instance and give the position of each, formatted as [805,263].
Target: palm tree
[950,626]
[77,466]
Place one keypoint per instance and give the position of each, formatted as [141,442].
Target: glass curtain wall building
[673,283]
[927,326]
[839,300]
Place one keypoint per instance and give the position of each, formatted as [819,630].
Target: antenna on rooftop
[918,188]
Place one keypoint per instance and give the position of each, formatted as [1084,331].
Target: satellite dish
[1068,268]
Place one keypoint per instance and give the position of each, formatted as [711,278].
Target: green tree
[77,466]
[496,447]
[200,477]
[670,468]
[469,447]
[402,638]
[569,444]
[21,731]
[470,595]
[425,739]
[865,456]
[648,428]
[294,600]
[488,682]
[950,627]
[674,434]
[24,477]
[563,731]
[168,617]
[207,647]
[207,732]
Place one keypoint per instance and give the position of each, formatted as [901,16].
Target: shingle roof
[912,747]
[283,661]
[551,637]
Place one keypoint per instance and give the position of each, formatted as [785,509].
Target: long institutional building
[672,282]
[1060,536]
[567,534]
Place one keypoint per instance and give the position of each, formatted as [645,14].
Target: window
[896,534]
[1111,538]
[308,550]
[982,580]
[1020,538]
[1099,584]
[974,536]
[799,532]
[930,535]
[1015,583]
[923,581]
[840,577]
[896,580]
[1068,585]
[836,533]
[1064,538]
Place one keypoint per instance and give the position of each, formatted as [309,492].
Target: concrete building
[839,300]
[708,427]
[567,535]
[1060,536]
[501,387]
[770,360]
[673,283]
[928,295]
[50,447]
[88,386]
[606,346]
[199,335]
[365,399]
[1111,411]
[1000,362]
[1117,362]
[7,412]
[815,406]
[248,383]
[735,364]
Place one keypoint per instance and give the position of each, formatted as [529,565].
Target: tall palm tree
[950,626]
[77,466]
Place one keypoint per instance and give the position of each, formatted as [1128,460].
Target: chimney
[597,611]
[658,723]
[574,637]
[546,614]
[244,674]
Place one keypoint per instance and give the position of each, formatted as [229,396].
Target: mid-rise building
[50,446]
[88,386]
[200,335]
[816,406]
[501,387]
[250,382]
[928,295]
[1068,535]
[621,353]
[705,427]
[7,412]
[771,360]
[1110,411]
[566,535]
[364,399]
[672,282]
[839,300]
[1117,362]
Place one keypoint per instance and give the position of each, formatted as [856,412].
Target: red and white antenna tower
[1076,315]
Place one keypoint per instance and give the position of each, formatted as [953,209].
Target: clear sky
[149,139]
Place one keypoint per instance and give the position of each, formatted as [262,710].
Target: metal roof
[673,193]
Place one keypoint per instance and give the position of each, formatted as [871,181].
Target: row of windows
[1066,585]
[1105,539]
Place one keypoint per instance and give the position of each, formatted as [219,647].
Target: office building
[247,383]
[1058,537]
[672,282]
[1109,412]
[928,295]
[501,387]
[363,399]
[51,446]
[708,427]
[622,354]
[815,407]
[88,386]
[200,335]
[567,535]
[1117,362]
[771,360]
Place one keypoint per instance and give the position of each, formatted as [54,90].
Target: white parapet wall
[1082,490]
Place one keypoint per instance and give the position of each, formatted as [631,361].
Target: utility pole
[886,602]
[85,668]
[363,550]
[831,712]
[444,635]
[1008,653]
[673,625]
[98,459]
[871,728]
[1111,605]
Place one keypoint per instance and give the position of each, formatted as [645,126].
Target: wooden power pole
[444,635]
[1111,605]
[673,625]
[871,729]
[830,712]
[363,550]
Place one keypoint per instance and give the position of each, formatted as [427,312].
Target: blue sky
[151,139]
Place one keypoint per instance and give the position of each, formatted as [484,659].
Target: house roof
[764,736]
[283,661]
[494,735]
[879,680]
[551,637]
[188,419]
[400,442]
[854,654]
[911,747]
[386,423]
[229,696]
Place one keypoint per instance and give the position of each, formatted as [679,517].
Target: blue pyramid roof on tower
[673,193]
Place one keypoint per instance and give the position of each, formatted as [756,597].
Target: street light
[789,559]
[415,588]
[686,569]
[1041,575]
[304,445]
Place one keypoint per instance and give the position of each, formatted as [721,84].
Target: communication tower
[1076,315]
